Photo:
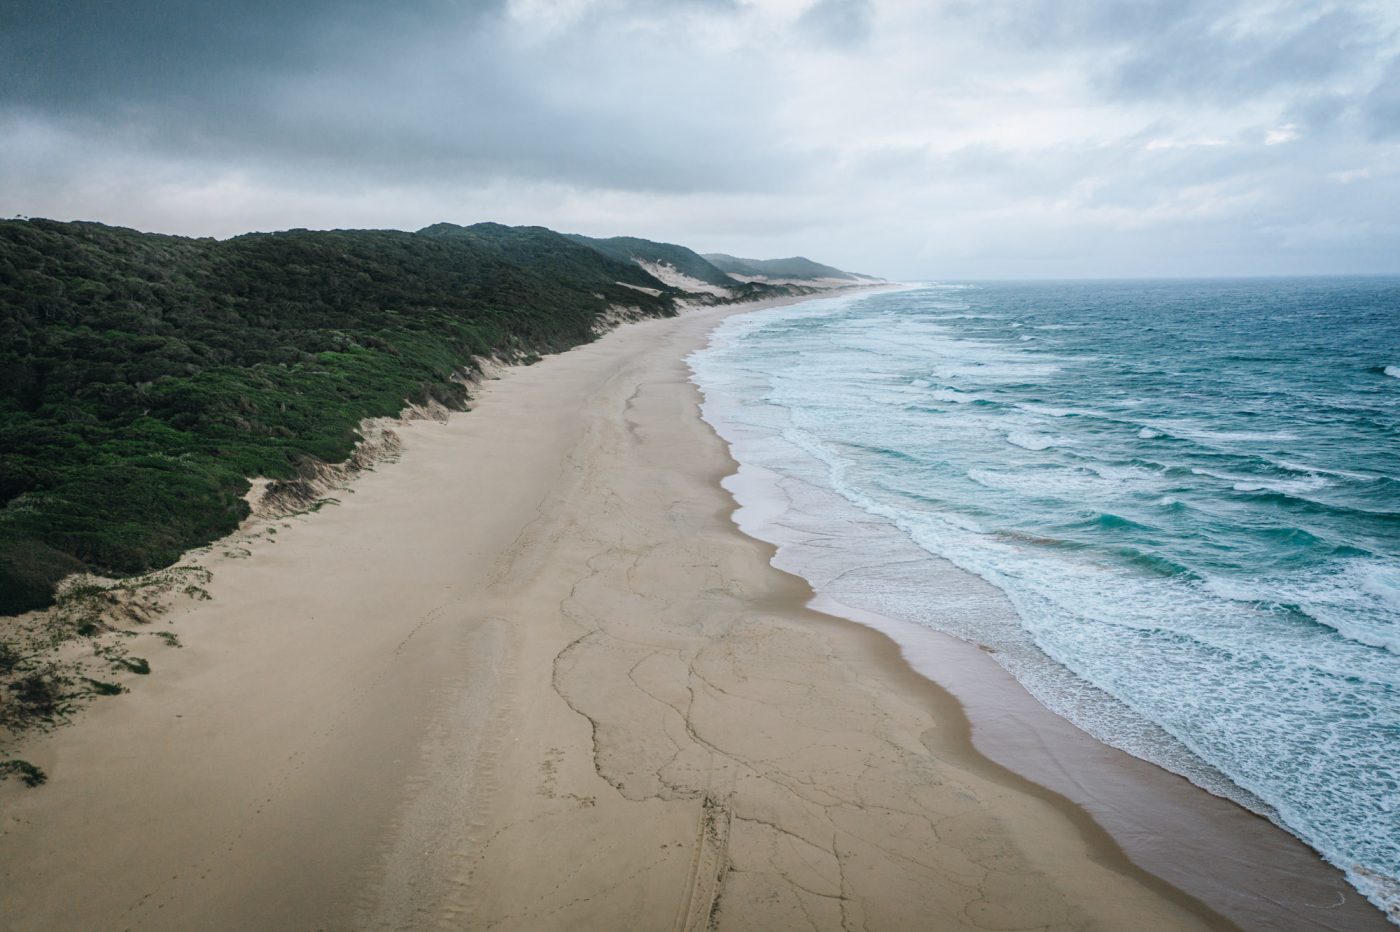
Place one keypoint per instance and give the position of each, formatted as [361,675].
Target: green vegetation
[145,378]
[39,693]
[31,775]
[42,687]
[797,268]
[683,260]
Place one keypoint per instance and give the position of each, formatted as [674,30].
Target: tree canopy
[145,378]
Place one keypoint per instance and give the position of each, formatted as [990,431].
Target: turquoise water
[1188,491]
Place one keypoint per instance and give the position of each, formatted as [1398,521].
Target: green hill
[683,260]
[553,255]
[796,268]
[145,378]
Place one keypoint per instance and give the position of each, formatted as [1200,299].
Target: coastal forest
[145,378]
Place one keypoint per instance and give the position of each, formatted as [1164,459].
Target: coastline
[532,676]
[1255,870]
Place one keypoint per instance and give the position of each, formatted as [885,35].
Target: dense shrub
[144,378]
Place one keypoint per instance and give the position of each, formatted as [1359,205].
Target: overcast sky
[965,138]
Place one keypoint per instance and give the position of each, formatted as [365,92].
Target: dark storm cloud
[434,87]
[977,137]
[90,55]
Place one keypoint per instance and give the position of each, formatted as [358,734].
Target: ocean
[1185,494]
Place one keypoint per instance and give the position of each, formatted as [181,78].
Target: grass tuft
[27,772]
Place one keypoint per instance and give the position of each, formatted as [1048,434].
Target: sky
[913,140]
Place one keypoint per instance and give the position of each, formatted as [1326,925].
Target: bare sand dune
[530,677]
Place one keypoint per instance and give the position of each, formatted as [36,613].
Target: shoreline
[1252,869]
[532,675]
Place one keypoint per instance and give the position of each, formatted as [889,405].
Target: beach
[531,676]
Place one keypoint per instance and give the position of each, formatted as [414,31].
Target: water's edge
[1029,713]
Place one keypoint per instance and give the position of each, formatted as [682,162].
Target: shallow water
[1189,492]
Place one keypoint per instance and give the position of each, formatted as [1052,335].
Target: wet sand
[1250,870]
[531,677]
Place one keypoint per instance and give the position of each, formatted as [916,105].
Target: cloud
[1195,49]
[1221,56]
[844,23]
[91,55]
[1380,107]
[433,88]
[1003,137]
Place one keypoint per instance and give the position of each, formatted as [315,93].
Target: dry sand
[531,677]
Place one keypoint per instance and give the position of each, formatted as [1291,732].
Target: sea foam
[1216,592]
